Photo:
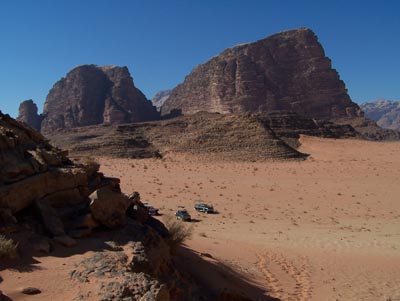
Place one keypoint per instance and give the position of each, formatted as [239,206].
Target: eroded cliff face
[287,71]
[28,113]
[91,95]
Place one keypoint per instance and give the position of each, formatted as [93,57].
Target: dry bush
[8,249]
[91,164]
[178,231]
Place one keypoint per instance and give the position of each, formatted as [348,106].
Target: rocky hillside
[90,95]
[28,113]
[386,113]
[231,137]
[49,202]
[159,99]
[287,71]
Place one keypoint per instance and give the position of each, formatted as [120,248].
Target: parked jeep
[200,206]
[183,215]
[152,211]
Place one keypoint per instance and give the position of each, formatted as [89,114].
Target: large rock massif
[386,113]
[287,71]
[91,95]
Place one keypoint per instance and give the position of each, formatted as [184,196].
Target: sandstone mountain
[287,71]
[386,113]
[240,137]
[28,113]
[159,99]
[91,95]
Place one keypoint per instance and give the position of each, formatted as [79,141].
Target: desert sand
[327,228]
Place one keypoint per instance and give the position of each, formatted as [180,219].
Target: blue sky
[161,41]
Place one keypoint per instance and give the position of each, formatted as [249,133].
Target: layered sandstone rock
[386,113]
[286,71]
[230,136]
[91,95]
[28,113]
[32,170]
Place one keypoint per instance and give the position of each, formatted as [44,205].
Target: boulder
[109,207]
[49,216]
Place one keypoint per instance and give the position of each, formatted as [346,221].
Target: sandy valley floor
[327,228]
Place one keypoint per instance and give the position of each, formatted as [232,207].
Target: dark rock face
[159,99]
[386,113]
[28,113]
[91,95]
[287,71]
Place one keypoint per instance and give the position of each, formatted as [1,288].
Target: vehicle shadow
[195,220]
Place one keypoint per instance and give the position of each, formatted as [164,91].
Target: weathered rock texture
[28,113]
[232,137]
[159,99]
[286,71]
[31,170]
[386,113]
[91,95]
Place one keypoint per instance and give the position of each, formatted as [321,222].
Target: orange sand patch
[327,228]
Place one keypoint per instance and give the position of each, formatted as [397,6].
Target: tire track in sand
[298,271]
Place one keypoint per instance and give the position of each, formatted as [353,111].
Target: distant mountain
[386,113]
[287,71]
[160,97]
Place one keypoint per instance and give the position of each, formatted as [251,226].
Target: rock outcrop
[368,129]
[32,172]
[91,95]
[287,71]
[225,136]
[28,113]
[386,113]
[159,99]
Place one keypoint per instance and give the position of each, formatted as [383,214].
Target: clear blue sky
[161,41]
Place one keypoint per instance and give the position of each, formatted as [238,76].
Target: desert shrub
[179,232]
[8,249]
[91,164]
